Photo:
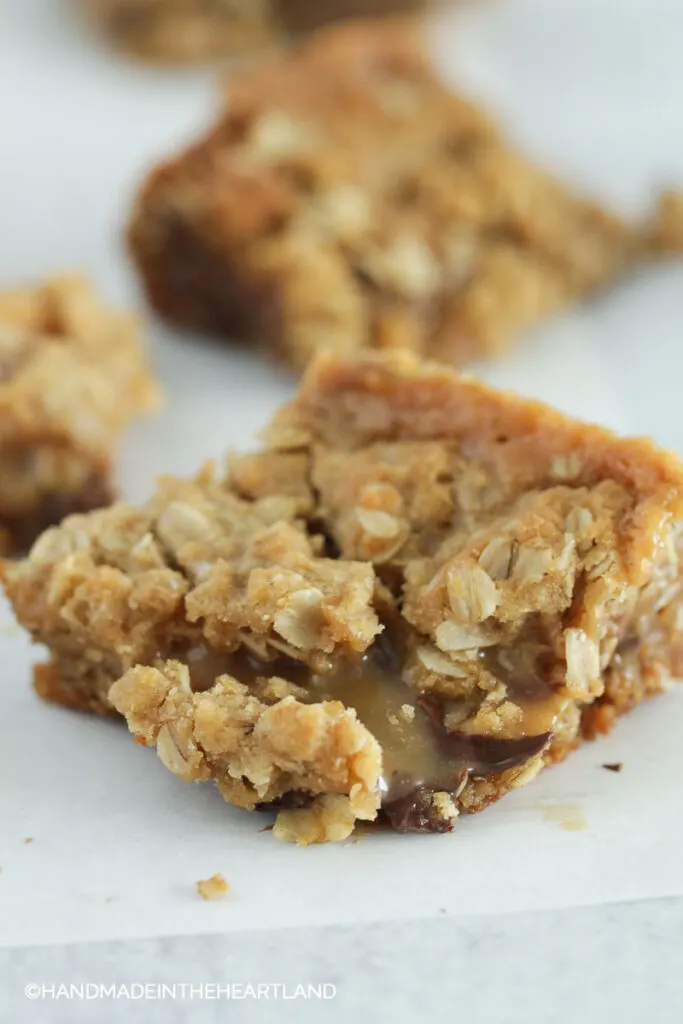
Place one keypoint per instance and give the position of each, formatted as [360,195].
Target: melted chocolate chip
[486,755]
[414,811]
[482,755]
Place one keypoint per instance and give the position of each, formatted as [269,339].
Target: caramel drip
[412,755]
[419,753]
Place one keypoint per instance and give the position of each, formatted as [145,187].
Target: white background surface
[593,88]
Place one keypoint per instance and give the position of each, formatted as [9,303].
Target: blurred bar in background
[191,31]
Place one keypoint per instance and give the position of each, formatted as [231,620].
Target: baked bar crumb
[347,200]
[416,596]
[72,375]
[191,31]
[214,888]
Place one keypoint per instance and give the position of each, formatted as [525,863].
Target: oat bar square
[419,593]
[347,199]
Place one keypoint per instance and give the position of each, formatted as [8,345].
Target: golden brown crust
[355,403]
[485,581]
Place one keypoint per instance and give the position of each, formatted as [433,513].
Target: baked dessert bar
[417,595]
[72,375]
[175,31]
[347,199]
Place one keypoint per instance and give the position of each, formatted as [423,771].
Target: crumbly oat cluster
[214,888]
[418,594]
[72,375]
[200,30]
[347,200]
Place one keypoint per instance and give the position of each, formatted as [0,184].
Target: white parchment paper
[117,842]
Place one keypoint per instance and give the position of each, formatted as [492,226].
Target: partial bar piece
[190,31]
[419,594]
[347,200]
[72,375]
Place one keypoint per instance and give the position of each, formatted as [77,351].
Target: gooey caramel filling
[419,752]
[412,755]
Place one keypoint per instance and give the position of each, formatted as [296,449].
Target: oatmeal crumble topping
[347,200]
[419,593]
[258,743]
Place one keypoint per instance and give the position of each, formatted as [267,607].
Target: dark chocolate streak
[415,812]
[482,755]
[408,805]
[486,755]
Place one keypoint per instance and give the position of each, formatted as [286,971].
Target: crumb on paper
[214,888]
[614,766]
[28,840]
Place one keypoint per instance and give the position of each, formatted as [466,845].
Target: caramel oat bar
[347,199]
[417,595]
[72,375]
[178,31]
